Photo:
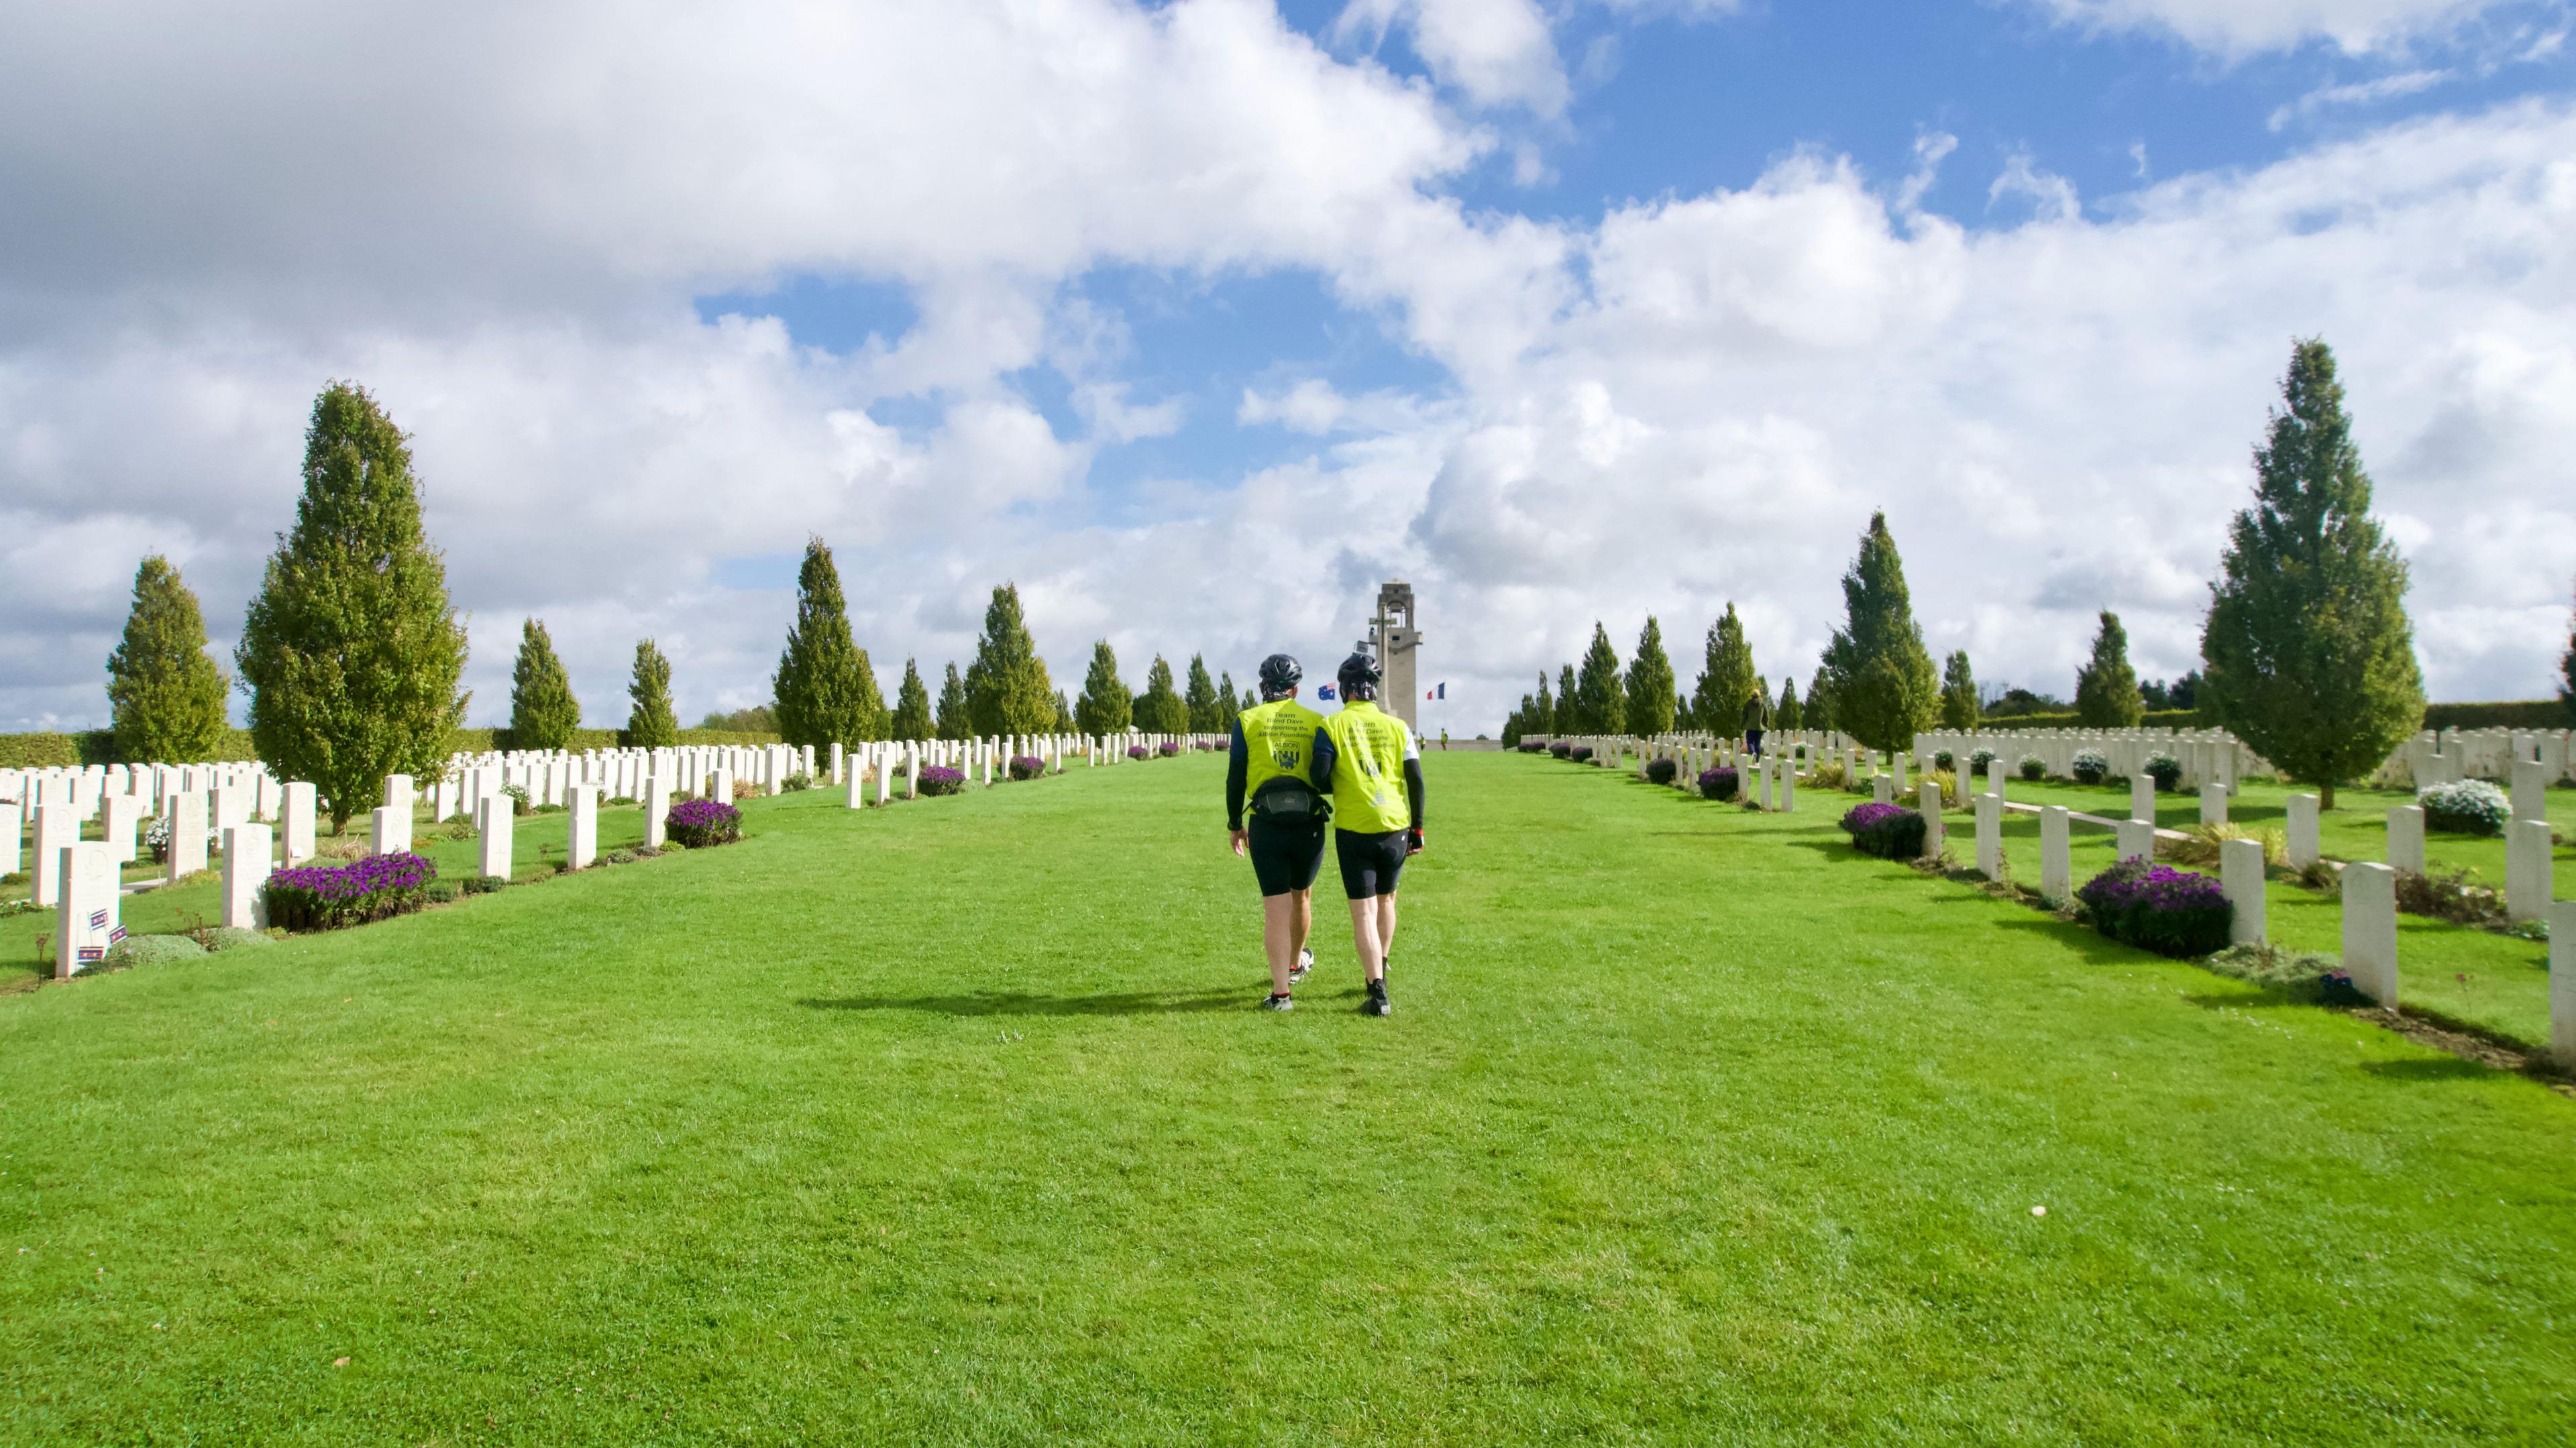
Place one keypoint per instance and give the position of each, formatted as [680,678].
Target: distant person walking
[1757,712]
[1266,770]
[1371,766]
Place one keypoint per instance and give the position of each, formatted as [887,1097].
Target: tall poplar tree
[1884,688]
[1205,715]
[912,719]
[1063,713]
[1958,692]
[953,720]
[1726,677]
[1788,714]
[1542,719]
[2106,689]
[1604,701]
[1569,703]
[1651,701]
[543,711]
[651,722]
[1820,701]
[825,690]
[350,652]
[165,697]
[1229,704]
[2311,657]
[1007,688]
[1160,709]
[1107,706]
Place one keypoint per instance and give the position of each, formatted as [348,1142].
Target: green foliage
[1569,707]
[1788,714]
[543,711]
[1206,715]
[1160,709]
[350,651]
[1820,700]
[2069,719]
[1542,719]
[1106,706]
[165,695]
[2517,714]
[912,716]
[1227,704]
[651,722]
[757,719]
[825,690]
[1599,699]
[1652,701]
[1007,688]
[1958,692]
[1726,677]
[953,719]
[1880,677]
[1063,713]
[2106,688]
[2311,657]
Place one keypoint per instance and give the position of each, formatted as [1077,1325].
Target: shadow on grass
[2440,1068]
[2095,947]
[1020,1003]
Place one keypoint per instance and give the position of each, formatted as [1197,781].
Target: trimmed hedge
[98,746]
[2154,719]
[2519,714]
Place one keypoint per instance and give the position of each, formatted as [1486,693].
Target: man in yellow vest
[1266,769]
[1367,761]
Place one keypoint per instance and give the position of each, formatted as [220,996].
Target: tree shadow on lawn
[2440,1068]
[2092,945]
[1021,1003]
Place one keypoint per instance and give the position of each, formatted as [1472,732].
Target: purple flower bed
[940,779]
[325,897]
[1531,746]
[1027,766]
[1889,831]
[1718,783]
[1561,750]
[2159,908]
[1582,754]
[1139,751]
[698,823]
[1661,771]
[1170,750]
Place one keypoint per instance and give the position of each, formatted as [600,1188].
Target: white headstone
[247,850]
[298,810]
[2213,804]
[581,819]
[1990,836]
[2240,875]
[2530,790]
[2142,797]
[57,829]
[89,923]
[187,835]
[1788,789]
[2137,840]
[1928,802]
[656,799]
[2526,869]
[2406,839]
[118,816]
[13,832]
[493,818]
[2370,930]
[1882,788]
[2303,833]
[2056,854]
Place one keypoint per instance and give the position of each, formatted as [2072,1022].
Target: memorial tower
[1393,638]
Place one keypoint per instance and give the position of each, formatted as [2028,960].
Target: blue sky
[1195,318]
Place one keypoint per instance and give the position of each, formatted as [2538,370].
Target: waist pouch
[1289,802]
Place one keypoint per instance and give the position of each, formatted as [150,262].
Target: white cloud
[1500,52]
[2238,28]
[2359,93]
[2052,195]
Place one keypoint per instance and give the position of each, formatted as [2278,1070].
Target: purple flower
[698,823]
[325,897]
[2159,908]
[939,779]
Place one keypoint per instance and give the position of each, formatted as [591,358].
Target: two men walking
[1293,769]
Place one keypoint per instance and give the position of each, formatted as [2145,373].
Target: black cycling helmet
[1280,676]
[1359,677]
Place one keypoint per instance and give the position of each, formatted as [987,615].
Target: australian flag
[1325,691]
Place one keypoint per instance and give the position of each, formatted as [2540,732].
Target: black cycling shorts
[1286,856]
[1370,863]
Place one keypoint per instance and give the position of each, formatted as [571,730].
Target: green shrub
[2467,807]
[2165,770]
[2303,973]
[441,892]
[481,884]
[2089,766]
[618,857]
[2520,714]
[2033,768]
[229,937]
[153,950]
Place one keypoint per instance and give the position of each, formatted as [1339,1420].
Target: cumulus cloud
[1500,52]
[2237,28]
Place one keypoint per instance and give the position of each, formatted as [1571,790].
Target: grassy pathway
[954,1123]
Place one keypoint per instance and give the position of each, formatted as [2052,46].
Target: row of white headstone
[2368,888]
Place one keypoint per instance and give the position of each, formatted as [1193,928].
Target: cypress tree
[1063,713]
[1958,692]
[1726,677]
[1820,700]
[912,718]
[350,650]
[1604,702]
[651,722]
[543,711]
[1160,710]
[165,697]
[1205,715]
[1106,706]
[1884,689]
[1787,714]
[1007,689]
[1542,719]
[953,722]
[825,690]
[2106,690]
[2311,658]
[1569,703]
[1228,704]
[1651,702]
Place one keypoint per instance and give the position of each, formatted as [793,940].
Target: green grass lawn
[955,1122]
